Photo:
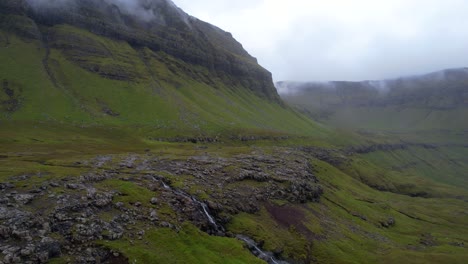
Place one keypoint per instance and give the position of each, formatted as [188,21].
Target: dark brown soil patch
[116,260]
[287,216]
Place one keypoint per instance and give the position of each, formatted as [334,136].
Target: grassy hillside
[157,90]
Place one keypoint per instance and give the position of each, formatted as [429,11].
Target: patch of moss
[189,245]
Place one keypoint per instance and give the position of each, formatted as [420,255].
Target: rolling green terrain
[163,141]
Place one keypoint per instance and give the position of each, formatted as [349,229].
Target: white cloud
[342,39]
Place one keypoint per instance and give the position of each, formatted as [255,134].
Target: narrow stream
[205,210]
[254,248]
[203,207]
[251,244]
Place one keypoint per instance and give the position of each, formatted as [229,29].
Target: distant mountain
[437,100]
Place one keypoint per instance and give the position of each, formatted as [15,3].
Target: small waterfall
[165,186]
[253,247]
[264,255]
[210,218]
[202,205]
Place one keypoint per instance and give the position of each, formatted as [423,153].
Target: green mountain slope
[56,69]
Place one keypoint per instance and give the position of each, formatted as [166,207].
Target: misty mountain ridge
[453,74]
[443,94]
[145,10]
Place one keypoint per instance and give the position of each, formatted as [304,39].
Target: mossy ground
[190,245]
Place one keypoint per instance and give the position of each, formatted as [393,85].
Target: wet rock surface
[68,216]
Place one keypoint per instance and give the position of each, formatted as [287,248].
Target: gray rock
[23,198]
[166,225]
[9,258]
[42,257]
[22,235]
[103,200]
[6,185]
[51,247]
[73,186]
[388,223]
[54,184]
[114,235]
[153,215]
[5,232]
[91,192]
[11,250]
[46,226]
[26,252]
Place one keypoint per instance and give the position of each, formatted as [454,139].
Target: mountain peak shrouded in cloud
[440,78]
[158,25]
[146,10]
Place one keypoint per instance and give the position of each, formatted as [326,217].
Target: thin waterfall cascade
[210,218]
[251,244]
[204,208]
[259,253]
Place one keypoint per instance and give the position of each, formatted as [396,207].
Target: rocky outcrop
[10,96]
[67,216]
[232,181]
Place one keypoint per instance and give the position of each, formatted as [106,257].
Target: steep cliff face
[158,25]
[436,100]
[142,62]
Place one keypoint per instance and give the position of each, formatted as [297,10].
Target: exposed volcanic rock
[69,219]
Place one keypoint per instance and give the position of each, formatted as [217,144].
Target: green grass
[395,119]
[261,227]
[445,165]
[129,191]
[187,246]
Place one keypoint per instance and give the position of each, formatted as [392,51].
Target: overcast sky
[318,40]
